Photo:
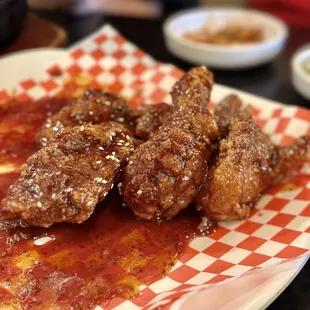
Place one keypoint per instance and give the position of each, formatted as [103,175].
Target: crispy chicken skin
[64,180]
[288,157]
[226,109]
[94,107]
[152,117]
[246,164]
[165,173]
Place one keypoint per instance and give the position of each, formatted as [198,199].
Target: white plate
[17,66]
[20,65]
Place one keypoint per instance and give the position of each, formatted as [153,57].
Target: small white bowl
[224,56]
[301,79]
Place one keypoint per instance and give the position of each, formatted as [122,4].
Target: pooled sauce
[19,124]
[71,266]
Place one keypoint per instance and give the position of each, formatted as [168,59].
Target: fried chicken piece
[166,172]
[246,164]
[64,180]
[94,107]
[226,109]
[153,116]
[289,157]
[191,94]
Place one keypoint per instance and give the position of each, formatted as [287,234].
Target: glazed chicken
[152,117]
[165,173]
[246,163]
[94,107]
[221,162]
[226,109]
[64,180]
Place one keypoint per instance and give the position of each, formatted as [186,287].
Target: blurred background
[292,11]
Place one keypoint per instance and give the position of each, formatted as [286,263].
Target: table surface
[272,81]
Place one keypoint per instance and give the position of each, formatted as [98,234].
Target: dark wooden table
[272,81]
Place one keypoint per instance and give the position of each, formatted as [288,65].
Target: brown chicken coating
[246,164]
[191,94]
[166,172]
[94,107]
[226,109]
[152,117]
[289,157]
[64,181]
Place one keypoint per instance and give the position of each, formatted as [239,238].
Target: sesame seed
[127,137]
[91,113]
[39,204]
[112,186]
[43,240]
[89,203]
[120,184]
[107,103]
[139,192]
[121,141]
[101,148]
[130,162]
[124,204]
[53,196]
[82,128]
[98,161]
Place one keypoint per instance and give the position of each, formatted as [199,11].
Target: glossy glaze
[78,266]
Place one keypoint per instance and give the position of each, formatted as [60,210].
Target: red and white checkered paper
[279,227]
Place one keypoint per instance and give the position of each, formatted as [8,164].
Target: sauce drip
[71,266]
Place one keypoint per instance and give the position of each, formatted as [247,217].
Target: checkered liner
[279,227]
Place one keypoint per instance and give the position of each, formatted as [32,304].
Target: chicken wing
[64,180]
[166,172]
[226,109]
[94,107]
[246,164]
[152,117]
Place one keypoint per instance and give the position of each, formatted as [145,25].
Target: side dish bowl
[300,74]
[236,56]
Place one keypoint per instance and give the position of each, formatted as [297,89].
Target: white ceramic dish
[223,56]
[16,66]
[301,79]
[261,291]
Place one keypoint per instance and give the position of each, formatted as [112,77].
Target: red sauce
[81,266]
[19,124]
